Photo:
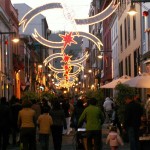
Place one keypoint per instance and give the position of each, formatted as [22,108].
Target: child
[114,139]
[44,122]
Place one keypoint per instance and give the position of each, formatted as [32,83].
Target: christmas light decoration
[68,77]
[69,14]
[145,13]
[67,39]
[65,84]
[85,21]
[74,63]
[68,63]
[61,55]
[52,44]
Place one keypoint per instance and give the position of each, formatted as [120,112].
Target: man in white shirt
[108,108]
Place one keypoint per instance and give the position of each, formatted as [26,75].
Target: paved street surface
[69,142]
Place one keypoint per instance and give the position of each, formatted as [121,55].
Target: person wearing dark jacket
[58,117]
[66,108]
[132,121]
[15,108]
[78,109]
[5,122]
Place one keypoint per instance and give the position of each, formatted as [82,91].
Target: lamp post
[84,81]
[5,57]
[100,66]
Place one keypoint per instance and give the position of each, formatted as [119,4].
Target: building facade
[34,76]
[129,28]
[8,30]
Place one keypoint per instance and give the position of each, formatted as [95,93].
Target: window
[106,62]
[129,64]
[121,68]
[126,66]
[125,32]
[134,27]
[135,63]
[128,24]
[121,38]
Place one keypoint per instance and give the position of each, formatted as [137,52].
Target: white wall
[114,45]
[35,23]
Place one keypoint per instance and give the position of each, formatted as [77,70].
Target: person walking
[115,119]
[44,123]
[66,108]
[5,123]
[78,109]
[59,121]
[15,108]
[114,139]
[132,121]
[94,118]
[36,107]
[108,108]
[27,124]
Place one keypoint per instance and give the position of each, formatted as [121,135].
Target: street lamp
[15,39]
[90,71]
[100,65]
[100,56]
[132,11]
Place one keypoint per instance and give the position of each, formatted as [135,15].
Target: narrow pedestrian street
[69,142]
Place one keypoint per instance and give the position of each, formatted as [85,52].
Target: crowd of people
[28,121]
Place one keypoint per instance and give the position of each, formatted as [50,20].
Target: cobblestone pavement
[69,142]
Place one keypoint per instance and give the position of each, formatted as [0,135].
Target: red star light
[66,67]
[66,58]
[66,73]
[68,39]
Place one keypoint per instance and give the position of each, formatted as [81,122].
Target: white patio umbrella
[140,81]
[113,83]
